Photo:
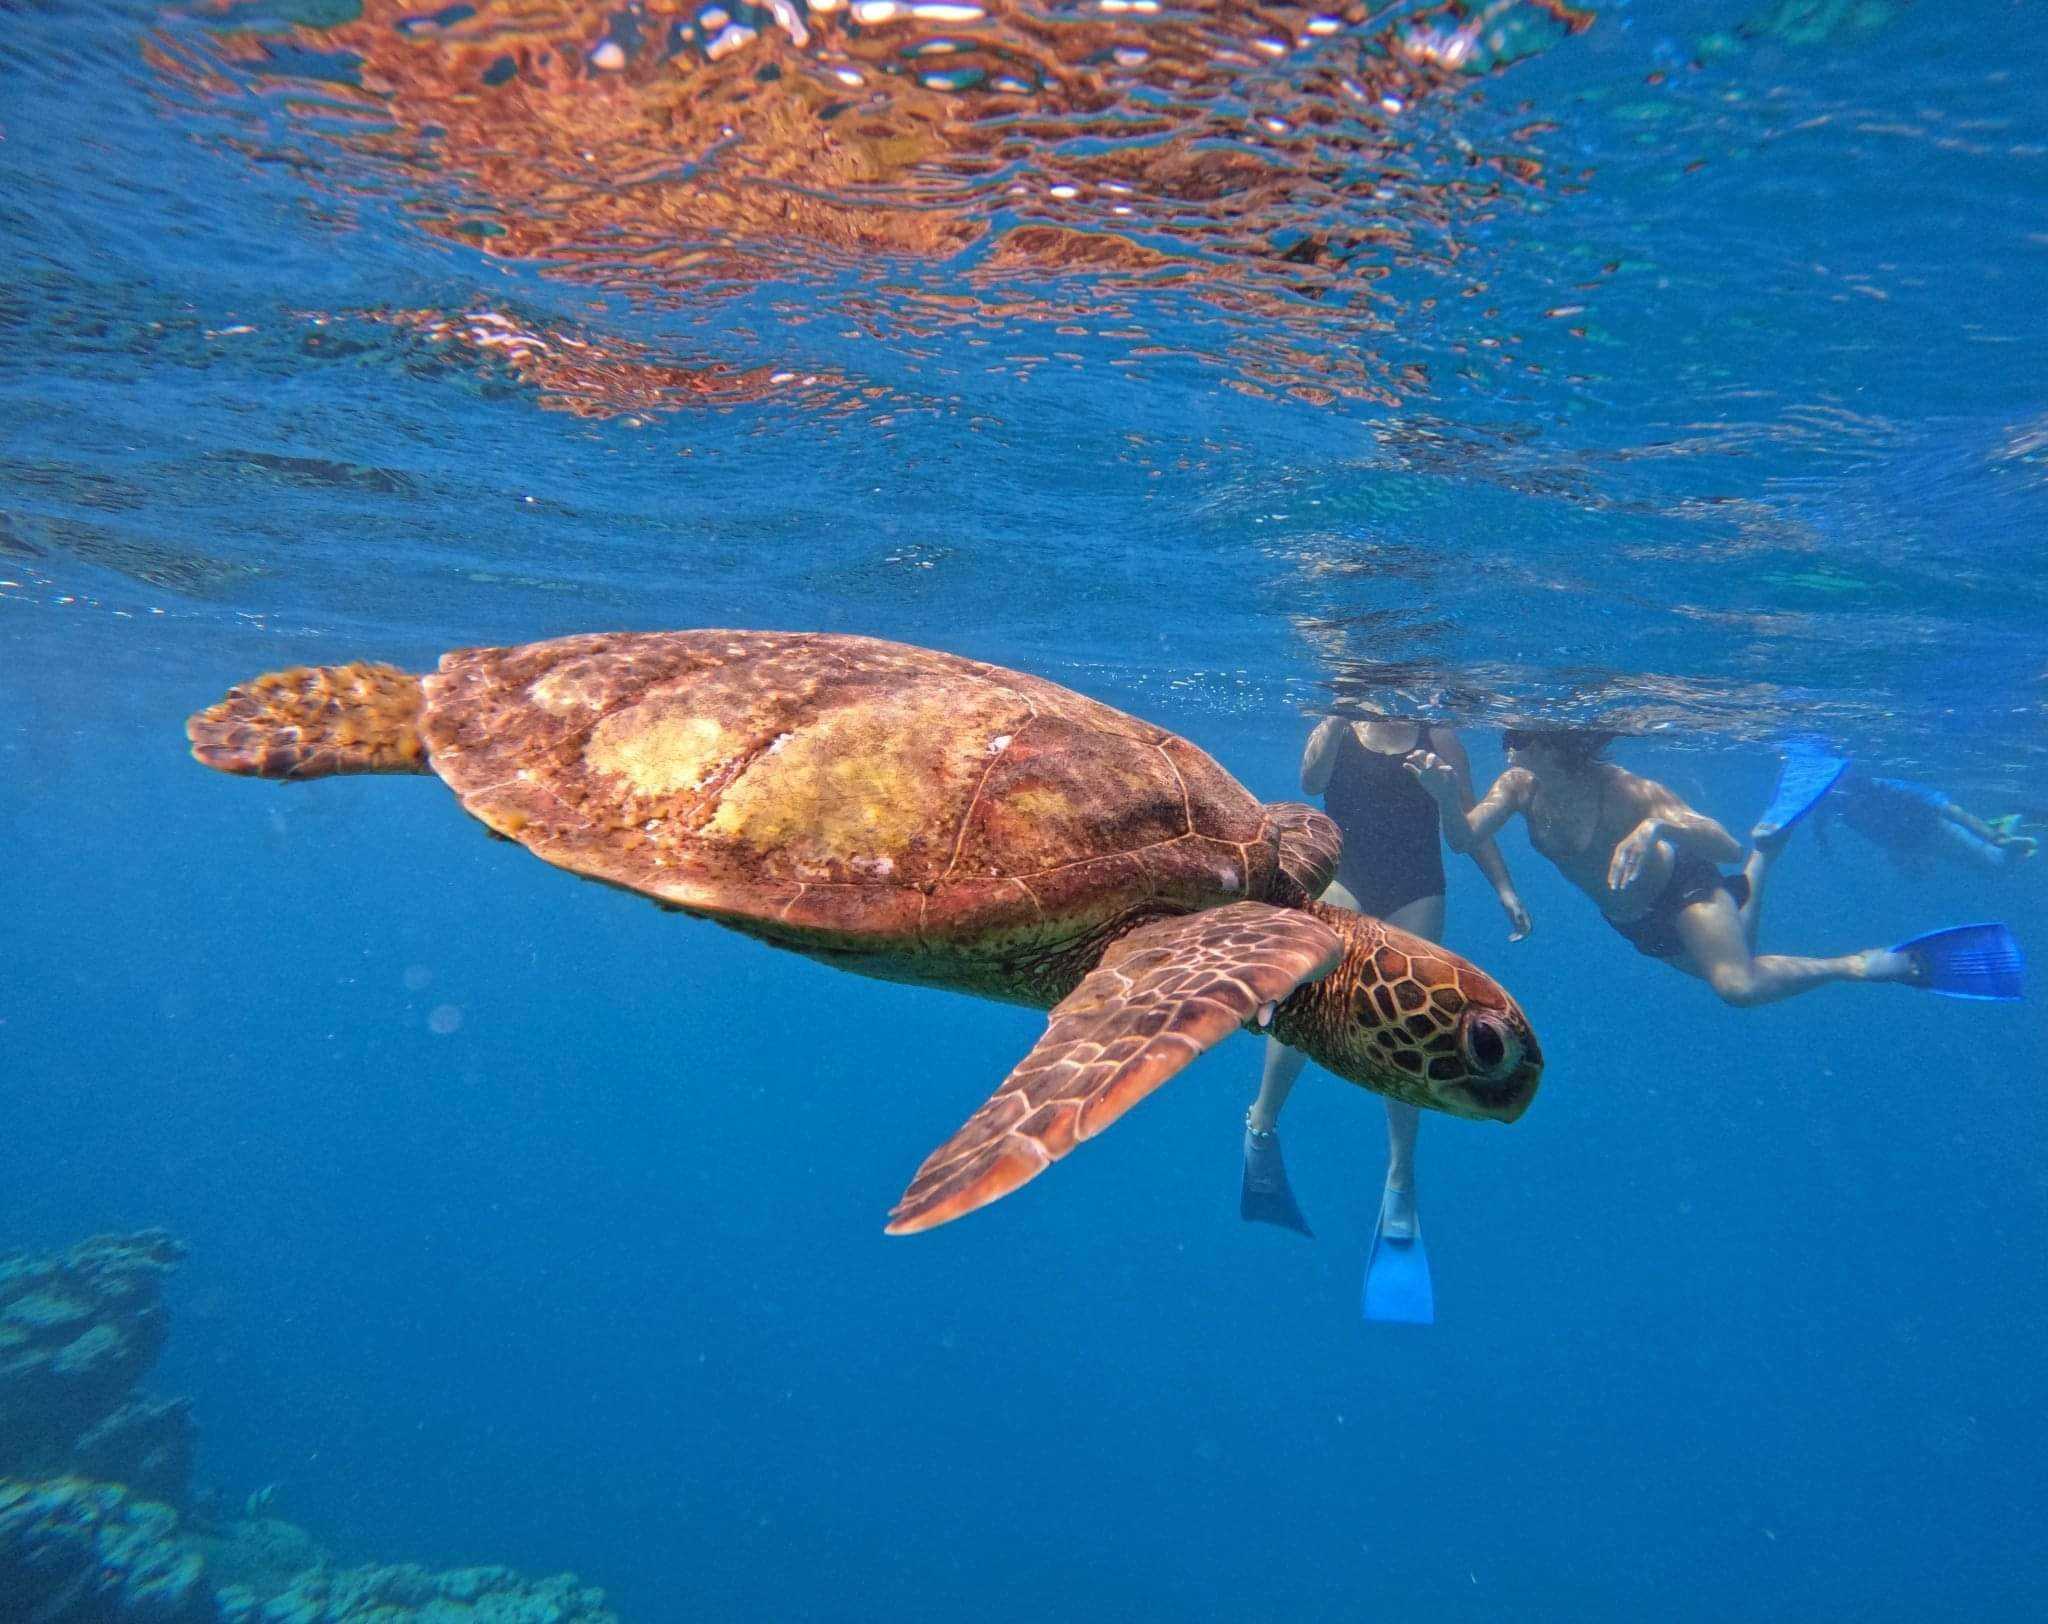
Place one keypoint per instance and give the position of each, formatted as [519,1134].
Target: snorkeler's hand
[1519,923]
[1435,775]
[1630,852]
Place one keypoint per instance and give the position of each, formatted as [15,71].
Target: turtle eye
[1491,1048]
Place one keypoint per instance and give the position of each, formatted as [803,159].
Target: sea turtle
[920,817]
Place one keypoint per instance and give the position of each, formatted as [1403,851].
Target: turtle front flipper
[1162,994]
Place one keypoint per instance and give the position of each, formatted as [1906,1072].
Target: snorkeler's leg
[1283,1065]
[1265,1196]
[1404,1122]
[1952,813]
[1756,870]
[1398,1288]
[1980,843]
[1717,951]
[1276,1082]
[1960,841]
[1423,917]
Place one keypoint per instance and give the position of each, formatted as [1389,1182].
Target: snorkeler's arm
[1466,825]
[1690,833]
[1319,755]
[1483,852]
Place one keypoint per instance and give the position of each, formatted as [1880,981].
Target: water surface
[1669,365]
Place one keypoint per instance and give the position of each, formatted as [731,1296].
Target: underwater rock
[147,1444]
[73,1552]
[258,1556]
[410,1594]
[78,1329]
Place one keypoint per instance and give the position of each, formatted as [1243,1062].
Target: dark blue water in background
[532,1225]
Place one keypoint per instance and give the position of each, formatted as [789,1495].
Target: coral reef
[77,1331]
[258,1555]
[412,1595]
[93,1477]
[148,1444]
[74,1552]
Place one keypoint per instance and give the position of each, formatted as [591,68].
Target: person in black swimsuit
[1650,861]
[1391,867]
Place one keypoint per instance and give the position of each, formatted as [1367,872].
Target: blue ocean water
[1672,366]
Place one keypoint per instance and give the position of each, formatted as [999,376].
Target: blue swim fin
[1265,1196]
[1807,775]
[1397,1288]
[1969,961]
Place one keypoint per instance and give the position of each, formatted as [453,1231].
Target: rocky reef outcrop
[77,1552]
[95,1482]
[412,1595]
[148,1444]
[78,1330]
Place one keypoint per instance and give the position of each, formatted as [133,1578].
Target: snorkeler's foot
[1397,1215]
[1964,961]
[1882,965]
[1807,775]
[1266,1197]
[1397,1284]
[1769,839]
[1893,966]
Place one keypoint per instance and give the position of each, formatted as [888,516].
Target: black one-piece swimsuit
[1393,842]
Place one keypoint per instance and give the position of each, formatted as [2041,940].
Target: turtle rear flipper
[1162,994]
[314,721]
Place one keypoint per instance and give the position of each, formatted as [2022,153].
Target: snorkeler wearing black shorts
[1392,868]
[1652,864]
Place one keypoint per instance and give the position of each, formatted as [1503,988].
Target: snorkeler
[1914,824]
[1653,865]
[1392,867]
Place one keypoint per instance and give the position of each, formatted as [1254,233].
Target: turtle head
[1502,1063]
[1407,1018]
